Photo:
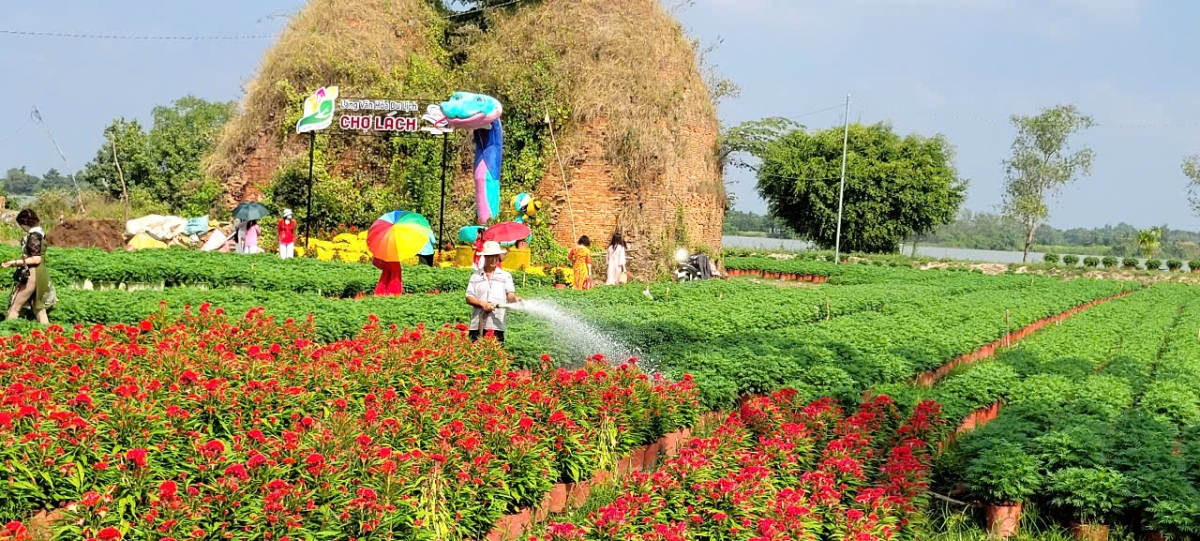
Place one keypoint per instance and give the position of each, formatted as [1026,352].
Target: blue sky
[957,67]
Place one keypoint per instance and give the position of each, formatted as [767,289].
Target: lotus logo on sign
[318,110]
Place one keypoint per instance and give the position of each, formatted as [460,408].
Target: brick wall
[597,206]
[257,164]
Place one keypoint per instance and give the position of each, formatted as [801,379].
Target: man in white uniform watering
[489,289]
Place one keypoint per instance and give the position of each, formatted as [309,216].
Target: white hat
[491,247]
[287,213]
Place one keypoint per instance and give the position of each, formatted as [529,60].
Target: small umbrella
[507,232]
[398,235]
[250,210]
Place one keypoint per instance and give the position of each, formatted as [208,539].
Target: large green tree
[131,154]
[896,186]
[165,162]
[17,181]
[1042,163]
[182,135]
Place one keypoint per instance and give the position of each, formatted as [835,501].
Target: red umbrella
[507,232]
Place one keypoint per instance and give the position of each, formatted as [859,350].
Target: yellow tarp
[142,241]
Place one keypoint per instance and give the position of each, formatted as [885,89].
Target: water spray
[583,338]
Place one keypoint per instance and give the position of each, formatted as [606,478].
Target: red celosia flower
[15,529]
[109,534]
[137,457]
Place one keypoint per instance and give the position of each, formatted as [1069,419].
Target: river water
[986,256]
[937,252]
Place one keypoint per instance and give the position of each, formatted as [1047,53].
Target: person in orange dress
[581,263]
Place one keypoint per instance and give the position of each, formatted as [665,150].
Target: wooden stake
[828,313]
[121,175]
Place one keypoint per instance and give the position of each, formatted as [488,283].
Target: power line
[830,108]
[15,133]
[132,37]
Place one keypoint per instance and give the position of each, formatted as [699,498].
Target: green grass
[950,522]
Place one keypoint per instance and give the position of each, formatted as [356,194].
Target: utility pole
[837,242]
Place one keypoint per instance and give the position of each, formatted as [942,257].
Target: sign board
[396,116]
[318,110]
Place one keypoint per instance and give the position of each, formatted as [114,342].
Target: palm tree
[1148,241]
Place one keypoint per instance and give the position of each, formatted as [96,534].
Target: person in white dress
[618,270]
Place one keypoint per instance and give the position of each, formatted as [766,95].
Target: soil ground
[83,233]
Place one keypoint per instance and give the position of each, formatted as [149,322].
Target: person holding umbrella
[488,289]
[251,244]
[394,237]
[426,254]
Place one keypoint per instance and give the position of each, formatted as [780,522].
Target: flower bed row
[568,496]
[180,267]
[789,276]
[779,266]
[1100,424]
[988,350]
[212,427]
[780,468]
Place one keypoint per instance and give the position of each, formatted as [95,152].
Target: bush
[1072,447]
[1194,265]
[1091,261]
[1129,263]
[1153,264]
[1050,258]
[1177,518]
[1094,494]
[1109,262]
[1174,265]
[1004,473]
[1070,260]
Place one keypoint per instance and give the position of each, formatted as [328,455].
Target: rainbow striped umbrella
[398,235]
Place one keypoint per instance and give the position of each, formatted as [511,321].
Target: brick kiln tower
[636,126]
[640,151]
[357,44]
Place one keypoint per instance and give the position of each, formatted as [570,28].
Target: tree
[752,138]
[1148,241]
[18,182]
[182,135]
[1191,168]
[895,186]
[130,139]
[53,180]
[163,163]
[1041,164]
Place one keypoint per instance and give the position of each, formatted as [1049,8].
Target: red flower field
[212,427]
[778,470]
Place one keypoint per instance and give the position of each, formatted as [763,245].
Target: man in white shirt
[489,287]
